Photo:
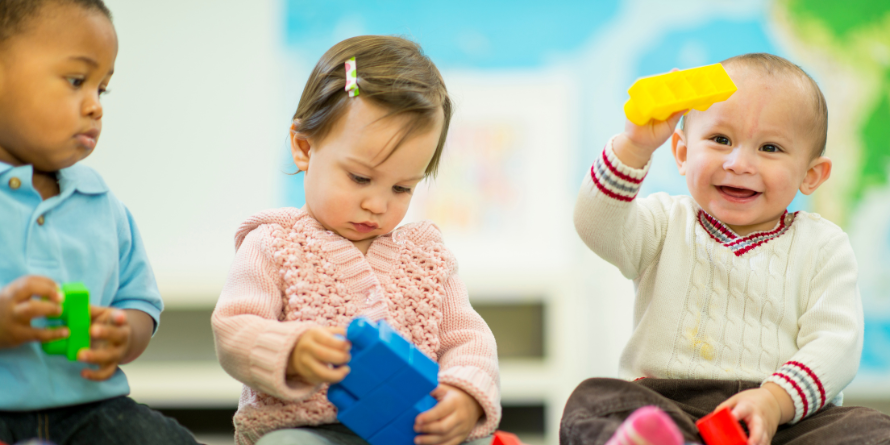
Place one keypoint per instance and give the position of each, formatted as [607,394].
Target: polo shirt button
[40,220]
[15,183]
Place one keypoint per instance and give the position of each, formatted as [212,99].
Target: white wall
[193,128]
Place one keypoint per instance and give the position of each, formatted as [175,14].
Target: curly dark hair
[14,14]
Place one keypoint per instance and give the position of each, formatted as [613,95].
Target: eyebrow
[89,61]
[85,59]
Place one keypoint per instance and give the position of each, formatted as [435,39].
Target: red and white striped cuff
[804,387]
[615,179]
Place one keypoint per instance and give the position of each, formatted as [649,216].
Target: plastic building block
[76,316]
[721,428]
[387,387]
[505,438]
[657,97]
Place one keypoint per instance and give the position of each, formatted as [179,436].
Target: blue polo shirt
[83,234]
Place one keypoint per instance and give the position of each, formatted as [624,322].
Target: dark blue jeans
[114,421]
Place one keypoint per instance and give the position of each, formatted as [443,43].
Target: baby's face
[51,76]
[745,159]
[356,184]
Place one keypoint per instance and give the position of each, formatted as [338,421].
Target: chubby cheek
[698,177]
[395,213]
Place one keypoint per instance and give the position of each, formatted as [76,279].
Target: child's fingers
[119,317]
[103,373]
[103,356]
[31,285]
[439,427]
[675,118]
[430,439]
[327,338]
[324,373]
[326,354]
[112,334]
[337,330]
[755,430]
[42,335]
[99,314]
[29,309]
[434,414]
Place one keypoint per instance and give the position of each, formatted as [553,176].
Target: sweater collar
[740,245]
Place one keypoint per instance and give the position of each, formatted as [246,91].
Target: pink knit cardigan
[291,274]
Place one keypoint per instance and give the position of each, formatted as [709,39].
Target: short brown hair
[772,65]
[14,14]
[392,72]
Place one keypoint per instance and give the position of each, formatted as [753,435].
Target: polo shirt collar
[81,178]
[77,177]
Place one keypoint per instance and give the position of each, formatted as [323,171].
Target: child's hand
[635,146]
[17,308]
[451,420]
[761,409]
[318,354]
[110,334]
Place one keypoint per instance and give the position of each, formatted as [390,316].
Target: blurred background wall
[202,96]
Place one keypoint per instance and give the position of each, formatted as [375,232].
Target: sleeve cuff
[480,385]
[614,179]
[268,363]
[804,387]
[153,311]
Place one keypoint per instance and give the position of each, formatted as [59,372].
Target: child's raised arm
[615,225]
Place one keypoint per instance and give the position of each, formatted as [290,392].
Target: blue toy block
[387,387]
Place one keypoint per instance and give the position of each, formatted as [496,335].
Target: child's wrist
[783,400]
[629,153]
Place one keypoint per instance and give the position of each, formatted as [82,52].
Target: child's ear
[678,148]
[299,148]
[817,173]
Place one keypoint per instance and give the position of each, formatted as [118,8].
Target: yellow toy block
[658,97]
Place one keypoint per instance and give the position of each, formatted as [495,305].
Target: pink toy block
[721,428]
[505,438]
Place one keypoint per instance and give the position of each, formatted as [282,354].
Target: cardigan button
[40,220]
[15,183]
[399,237]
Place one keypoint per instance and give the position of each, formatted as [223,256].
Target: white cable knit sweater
[778,306]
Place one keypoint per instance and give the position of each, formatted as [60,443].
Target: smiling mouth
[737,194]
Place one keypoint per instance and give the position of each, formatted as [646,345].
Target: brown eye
[722,140]
[358,179]
[400,189]
[769,148]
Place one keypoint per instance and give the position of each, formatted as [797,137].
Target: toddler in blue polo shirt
[59,223]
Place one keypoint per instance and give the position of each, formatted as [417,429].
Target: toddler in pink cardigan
[370,126]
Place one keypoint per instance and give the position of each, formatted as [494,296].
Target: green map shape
[851,31]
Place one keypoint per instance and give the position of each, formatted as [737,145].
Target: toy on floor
[721,428]
[658,97]
[388,385]
[505,438]
[76,316]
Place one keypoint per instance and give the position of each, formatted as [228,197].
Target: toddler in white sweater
[739,303]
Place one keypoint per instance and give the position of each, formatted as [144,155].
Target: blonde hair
[392,72]
[772,65]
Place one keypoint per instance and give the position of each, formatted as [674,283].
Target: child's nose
[92,107]
[374,203]
[740,161]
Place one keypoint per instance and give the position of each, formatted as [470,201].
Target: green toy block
[76,316]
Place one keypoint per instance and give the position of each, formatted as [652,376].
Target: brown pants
[598,406]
